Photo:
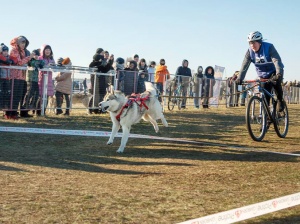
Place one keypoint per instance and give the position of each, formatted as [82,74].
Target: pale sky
[203,32]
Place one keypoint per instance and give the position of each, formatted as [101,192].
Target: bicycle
[259,115]
[175,95]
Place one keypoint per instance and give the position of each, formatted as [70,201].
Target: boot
[58,111]
[67,113]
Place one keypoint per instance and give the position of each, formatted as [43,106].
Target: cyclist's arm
[245,66]
[276,60]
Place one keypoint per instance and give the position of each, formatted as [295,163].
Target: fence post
[45,92]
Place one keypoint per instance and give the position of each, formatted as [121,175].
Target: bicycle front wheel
[180,99]
[281,121]
[256,119]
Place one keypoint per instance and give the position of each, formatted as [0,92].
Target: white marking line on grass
[107,134]
[250,211]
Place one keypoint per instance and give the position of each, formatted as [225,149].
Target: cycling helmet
[120,60]
[255,36]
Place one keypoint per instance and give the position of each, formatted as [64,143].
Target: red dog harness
[134,98]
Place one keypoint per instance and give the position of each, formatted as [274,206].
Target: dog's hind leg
[164,121]
[124,140]
[147,117]
[114,131]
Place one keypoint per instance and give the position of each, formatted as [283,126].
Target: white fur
[113,103]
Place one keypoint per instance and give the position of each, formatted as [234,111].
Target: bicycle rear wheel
[256,119]
[171,101]
[281,121]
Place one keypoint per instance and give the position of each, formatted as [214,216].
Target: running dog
[126,111]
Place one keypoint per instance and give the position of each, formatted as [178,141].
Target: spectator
[142,66]
[47,57]
[32,77]
[141,82]
[109,80]
[136,58]
[119,67]
[208,83]
[22,55]
[233,90]
[100,51]
[5,84]
[151,72]
[130,78]
[161,75]
[196,80]
[84,86]
[63,87]
[97,81]
[183,75]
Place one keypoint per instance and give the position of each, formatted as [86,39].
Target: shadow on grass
[89,153]
[293,219]
[9,168]
[198,152]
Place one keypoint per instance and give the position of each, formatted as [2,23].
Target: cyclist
[267,63]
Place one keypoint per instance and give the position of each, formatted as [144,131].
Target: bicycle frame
[264,103]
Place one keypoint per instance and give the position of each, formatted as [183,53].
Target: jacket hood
[184,62]
[133,62]
[14,42]
[213,70]
[43,47]
[160,68]
[199,68]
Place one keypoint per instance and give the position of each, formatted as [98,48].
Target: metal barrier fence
[28,94]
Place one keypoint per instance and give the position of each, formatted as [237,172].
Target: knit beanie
[66,61]
[3,47]
[59,61]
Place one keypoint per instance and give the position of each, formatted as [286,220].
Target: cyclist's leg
[279,93]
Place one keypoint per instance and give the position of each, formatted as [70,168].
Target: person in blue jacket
[268,65]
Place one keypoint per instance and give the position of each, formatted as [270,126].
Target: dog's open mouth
[104,109]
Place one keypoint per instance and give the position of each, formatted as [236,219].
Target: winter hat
[59,61]
[3,47]
[36,52]
[99,50]
[120,60]
[21,39]
[66,61]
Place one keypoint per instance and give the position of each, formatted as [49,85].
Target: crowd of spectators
[26,86]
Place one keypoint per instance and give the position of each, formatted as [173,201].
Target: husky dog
[126,111]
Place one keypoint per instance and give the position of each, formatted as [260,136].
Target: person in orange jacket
[161,75]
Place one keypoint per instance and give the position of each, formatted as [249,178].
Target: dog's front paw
[109,143]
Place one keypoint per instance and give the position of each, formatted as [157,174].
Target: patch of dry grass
[71,179]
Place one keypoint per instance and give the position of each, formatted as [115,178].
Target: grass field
[71,179]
